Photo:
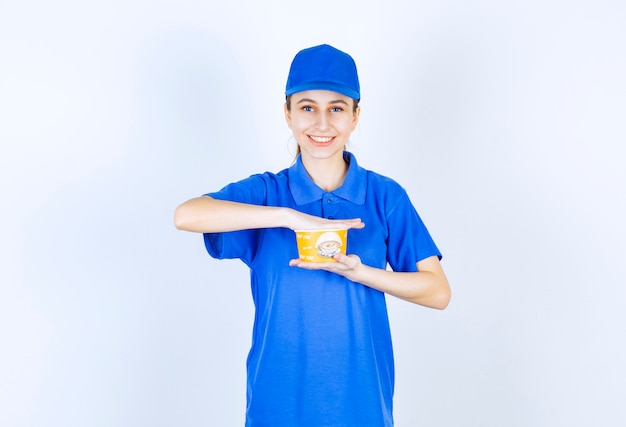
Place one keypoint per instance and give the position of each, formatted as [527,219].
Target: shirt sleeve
[237,244]
[409,240]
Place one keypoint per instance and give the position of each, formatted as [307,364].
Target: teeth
[321,139]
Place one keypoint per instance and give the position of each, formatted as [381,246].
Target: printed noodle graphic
[328,244]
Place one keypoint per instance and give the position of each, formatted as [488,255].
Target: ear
[287,115]
[355,119]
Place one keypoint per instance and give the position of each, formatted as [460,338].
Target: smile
[321,139]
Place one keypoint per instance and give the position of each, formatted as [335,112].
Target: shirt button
[329,200]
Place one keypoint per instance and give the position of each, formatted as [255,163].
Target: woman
[321,350]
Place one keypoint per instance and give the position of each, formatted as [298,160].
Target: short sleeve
[237,244]
[409,240]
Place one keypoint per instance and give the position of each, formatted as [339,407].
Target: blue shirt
[321,352]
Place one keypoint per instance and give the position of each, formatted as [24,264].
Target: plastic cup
[321,245]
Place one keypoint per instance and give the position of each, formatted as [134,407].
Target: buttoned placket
[330,206]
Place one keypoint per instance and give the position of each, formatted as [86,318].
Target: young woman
[321,350]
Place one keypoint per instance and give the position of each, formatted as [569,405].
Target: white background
[505,121]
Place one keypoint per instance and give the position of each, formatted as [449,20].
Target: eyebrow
[311,101]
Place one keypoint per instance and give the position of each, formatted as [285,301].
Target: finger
[356,226]
[355,223]
[311,266]
[328,266]
[343,258]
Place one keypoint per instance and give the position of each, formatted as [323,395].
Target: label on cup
[321,245]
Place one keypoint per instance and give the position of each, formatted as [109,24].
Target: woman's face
[321,121]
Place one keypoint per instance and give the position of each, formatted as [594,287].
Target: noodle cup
[321,245]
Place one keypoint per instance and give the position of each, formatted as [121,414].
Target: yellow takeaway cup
[321,245]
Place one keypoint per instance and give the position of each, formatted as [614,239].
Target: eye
[307,108]
[336,110]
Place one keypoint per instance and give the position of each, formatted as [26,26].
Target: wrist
[358,273]
[285,216]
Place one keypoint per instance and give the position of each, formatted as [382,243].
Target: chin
[323,153]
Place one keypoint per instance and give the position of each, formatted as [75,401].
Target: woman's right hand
[302,221]
[207,215]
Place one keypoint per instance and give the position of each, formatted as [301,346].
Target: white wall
[504,121]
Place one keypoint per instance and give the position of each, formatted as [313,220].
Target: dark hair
[355,105]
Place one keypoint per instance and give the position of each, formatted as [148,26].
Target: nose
[323,121]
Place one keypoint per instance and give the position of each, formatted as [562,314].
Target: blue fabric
[321,352]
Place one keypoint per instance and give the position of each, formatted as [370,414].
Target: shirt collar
[305,191]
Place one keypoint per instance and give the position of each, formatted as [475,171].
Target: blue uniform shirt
[321,352]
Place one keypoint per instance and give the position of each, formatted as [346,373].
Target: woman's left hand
[428,286]
[345,265]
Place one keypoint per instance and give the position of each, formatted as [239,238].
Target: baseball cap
[323,67]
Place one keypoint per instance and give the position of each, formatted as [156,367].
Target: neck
[328,174]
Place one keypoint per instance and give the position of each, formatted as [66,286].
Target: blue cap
[323,67]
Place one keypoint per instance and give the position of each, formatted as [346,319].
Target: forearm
[425,288]
[428,286]
[207,215]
